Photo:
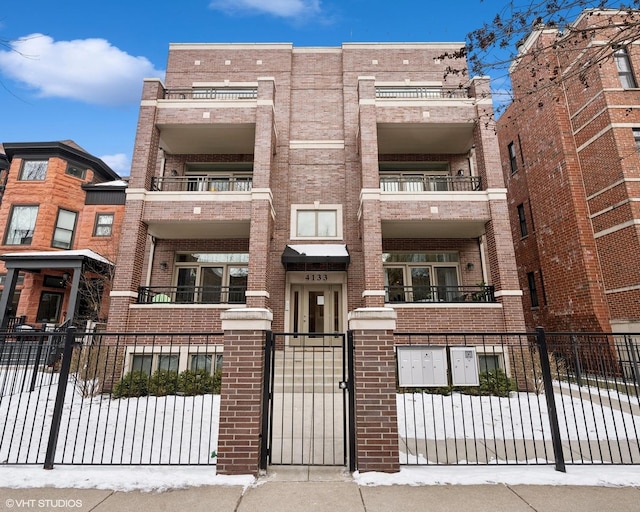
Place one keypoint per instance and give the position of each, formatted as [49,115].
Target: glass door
[316,311]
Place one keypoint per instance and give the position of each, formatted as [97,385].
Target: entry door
[317,309]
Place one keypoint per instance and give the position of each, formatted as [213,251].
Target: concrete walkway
[297,489]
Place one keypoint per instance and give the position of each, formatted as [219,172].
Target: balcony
[414,92]
[429,183]
[438,294]
[192,295]
[207,120]
[202,183]
[212,93]
[424,119]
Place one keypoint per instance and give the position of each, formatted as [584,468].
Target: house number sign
[316,277]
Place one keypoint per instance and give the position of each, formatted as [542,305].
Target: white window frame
[184,353]
[103,225]
[316,207]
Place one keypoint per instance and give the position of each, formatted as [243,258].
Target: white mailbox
[422,366]
[464,366]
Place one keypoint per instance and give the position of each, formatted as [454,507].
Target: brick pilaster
[241,392]
[375,389]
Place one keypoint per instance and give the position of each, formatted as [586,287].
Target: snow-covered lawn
[520,416]
[102,430]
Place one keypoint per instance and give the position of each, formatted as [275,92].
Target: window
[625,72]
[103,225]
[207,362]
[211,278]
[76,170]
[489,361]
[142,363]
[421,277]
[522,220]
[513,160]
[533,291]
[22,224]
[34,170]
[165,357]
[65,225]
[316,222]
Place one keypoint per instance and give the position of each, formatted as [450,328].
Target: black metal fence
[143,399]
[109,398]
[560,398]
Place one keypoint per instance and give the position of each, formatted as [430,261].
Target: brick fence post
[241,392]
[376,416]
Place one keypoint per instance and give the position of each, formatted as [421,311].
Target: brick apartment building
[572,168]
[60,215]
[312,182]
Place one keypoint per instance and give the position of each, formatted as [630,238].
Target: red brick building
[312,191]
[313,182]
[569,149]
[60,214]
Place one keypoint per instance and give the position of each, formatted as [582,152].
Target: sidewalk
[301,489]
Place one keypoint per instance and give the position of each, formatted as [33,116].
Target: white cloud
[88,70]
[119,163]
[280,8]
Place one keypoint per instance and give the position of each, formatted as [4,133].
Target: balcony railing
[430,183]
[421,92]
[192,294]
[212,93]
[440,294]
[201,183]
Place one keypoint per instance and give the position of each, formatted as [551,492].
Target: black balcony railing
[430,183]
[410,92]
[192,294]
[413,294]
[212,93]
[202,183]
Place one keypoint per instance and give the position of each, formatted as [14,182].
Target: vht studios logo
[43,504]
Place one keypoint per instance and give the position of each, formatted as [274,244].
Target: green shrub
[217,382]
[195,382]
[132,384]
[495,383]
[163,382]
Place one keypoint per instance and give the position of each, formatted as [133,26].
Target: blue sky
[74,69]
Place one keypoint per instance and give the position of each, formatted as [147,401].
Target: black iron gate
[307,391]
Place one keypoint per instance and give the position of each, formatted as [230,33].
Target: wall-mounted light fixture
[163,265]
[470,266]
[174,172]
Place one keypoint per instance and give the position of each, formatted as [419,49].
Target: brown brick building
[312,182]
[572,168]
[60,215]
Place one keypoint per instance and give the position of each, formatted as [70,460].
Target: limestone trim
[372,319]
[246,319]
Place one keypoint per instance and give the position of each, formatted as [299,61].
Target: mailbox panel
[464,366]
[422,366]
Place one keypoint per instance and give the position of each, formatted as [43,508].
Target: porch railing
[202,183]
[418,294]
[429,183]
[410,92]
[212,93]
[192,294]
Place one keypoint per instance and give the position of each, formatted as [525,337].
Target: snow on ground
[163,478]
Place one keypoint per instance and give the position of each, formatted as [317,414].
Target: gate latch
[342,384]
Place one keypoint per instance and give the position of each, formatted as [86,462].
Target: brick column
[241,393]
[370,225]
[376,414]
